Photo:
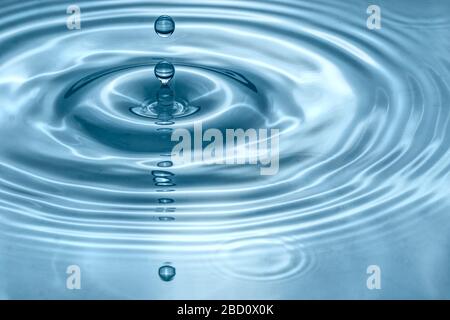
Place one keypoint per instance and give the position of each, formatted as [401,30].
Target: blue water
[85,171]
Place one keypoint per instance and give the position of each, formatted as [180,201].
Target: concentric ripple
[85,168]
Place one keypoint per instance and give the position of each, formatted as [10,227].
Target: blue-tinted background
[364,150]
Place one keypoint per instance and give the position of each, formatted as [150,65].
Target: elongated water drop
[166,273]
[165,184]
[164,71]
[161,173]
[165,164]
[164,26]
[166,218]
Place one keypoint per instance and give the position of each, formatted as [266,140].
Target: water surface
[364,150]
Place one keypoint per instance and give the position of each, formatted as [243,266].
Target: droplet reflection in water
[164,26]
[166,200]
[164,184]
[165,97]
[165,131]
[166,273]
[166,218]
[165,164]
[161,173]
[164,71]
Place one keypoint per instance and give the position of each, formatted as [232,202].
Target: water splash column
[163,179]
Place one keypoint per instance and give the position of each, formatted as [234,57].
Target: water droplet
[161,179]
[165,164]
[165,200]
[166,218]
[161,173]
[165,184]
[166,273]
[164,71]
[164,26]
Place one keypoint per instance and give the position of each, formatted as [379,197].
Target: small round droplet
[164,26]
[164,71]
[166,273]
[165,164]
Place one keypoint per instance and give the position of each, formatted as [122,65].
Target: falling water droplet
[165,200]
[164,26]
[165,164]
[164,71]
[166,273]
